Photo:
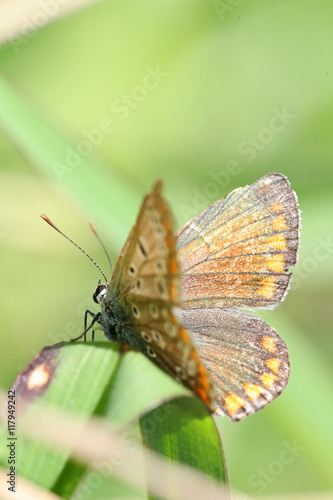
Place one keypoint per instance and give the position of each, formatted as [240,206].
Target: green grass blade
[186,434]
[82,379]
[69,378]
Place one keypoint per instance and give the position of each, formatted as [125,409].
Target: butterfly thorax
[113,316]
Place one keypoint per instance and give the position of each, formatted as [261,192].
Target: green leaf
[83,379]
[69,378]
[186,434]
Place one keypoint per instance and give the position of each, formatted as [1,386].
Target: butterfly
[178,299]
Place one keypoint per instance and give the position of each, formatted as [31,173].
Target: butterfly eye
[99,294]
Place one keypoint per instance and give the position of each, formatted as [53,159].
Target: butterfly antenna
[101,242]
[45,217]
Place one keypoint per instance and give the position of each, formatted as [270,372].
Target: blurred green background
[209,96]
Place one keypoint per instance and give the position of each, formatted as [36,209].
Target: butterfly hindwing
[247,359]
[238,251]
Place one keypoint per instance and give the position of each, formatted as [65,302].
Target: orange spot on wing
[204,381]
[233,403]
[252,391]
[38,377]
[276,207]
[268,343]
[173,266]
[278,241]
[267,288]
[275,263]
[203,395]
[195,355]
[168,225]
[279,223]
[268,380]
[204,386]
[174,290]
[170,242]
[273,364]
[183,335]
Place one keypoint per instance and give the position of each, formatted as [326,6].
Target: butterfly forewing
[144,289]
[149,254]
[246,358]
[238,251]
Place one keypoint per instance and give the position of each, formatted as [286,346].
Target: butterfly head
[100,293]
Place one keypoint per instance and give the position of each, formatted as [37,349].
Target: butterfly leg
[93,315]
[95,319]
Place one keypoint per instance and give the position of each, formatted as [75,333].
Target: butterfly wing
[142,292]
[247,359]
[238,251]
